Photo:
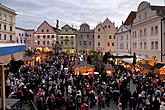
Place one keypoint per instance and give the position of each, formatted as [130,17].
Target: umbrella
[159,65]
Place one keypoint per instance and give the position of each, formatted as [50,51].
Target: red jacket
[83,107]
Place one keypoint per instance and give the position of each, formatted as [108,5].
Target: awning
[6,49]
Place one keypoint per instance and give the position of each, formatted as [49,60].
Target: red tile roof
[130,18]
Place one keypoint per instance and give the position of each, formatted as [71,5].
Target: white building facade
[123,36]
[146,31]
[7,24]
[25,36]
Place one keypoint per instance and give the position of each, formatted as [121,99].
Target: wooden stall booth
[84,69]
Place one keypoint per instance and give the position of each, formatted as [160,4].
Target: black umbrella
[159,65]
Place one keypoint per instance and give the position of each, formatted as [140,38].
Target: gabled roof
[107,19]
[55,29]
[130,18]
[68,27]
[84,24]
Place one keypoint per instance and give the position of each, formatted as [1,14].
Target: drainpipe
[162,34]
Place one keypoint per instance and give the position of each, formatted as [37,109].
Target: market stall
[109,69]
[162,72]
[84,69]
[5,50]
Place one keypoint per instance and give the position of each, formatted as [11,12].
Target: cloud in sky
[31,13]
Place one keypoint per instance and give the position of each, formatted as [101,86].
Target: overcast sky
[31,13]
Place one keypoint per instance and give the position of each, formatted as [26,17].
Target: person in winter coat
[84,106]
[156,104]
[78,101]
[162,106]
[100,101]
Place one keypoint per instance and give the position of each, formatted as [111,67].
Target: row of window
[122,46]
[25,34]
[4,27]
[21,41]
[122,38]
[108,44]
[44,42]
[66,43]
[86,43]
[154,30]
[47,30]
[65,37]
[145,16]
[104,27]
[5,37]
[44,36]
[110,37]
[154,45]
[4,17]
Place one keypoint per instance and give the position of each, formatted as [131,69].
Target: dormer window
[145,15]
[121,29]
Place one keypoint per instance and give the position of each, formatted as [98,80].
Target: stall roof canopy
[10,48]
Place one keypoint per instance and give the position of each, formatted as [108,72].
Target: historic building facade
[147,31]
[7,24]
[123,36]
[44,37]
[25,36]
[67,39]
[104,37]
[85,38]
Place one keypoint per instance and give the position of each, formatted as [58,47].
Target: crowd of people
[51,87]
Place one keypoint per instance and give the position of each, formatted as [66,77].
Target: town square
[82,55]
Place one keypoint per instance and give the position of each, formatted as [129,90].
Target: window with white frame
[145,14]
[127,46]
[121,46]
[141,45]
[135,45]
[145,45]
[156,29]
[145,32]
[156,45]
[5,37]
[140,33]
[152,30]
[121,38]
[152,45]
